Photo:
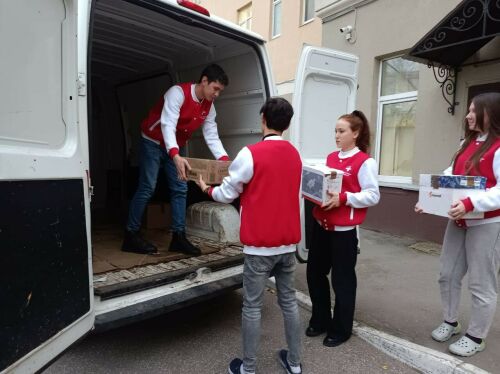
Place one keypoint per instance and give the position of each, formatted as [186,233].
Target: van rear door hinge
[90,187]
[82,87]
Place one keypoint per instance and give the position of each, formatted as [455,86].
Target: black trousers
[334,251]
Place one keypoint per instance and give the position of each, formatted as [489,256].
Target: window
[307,10]
[276,18]
[396,119]
[245,16]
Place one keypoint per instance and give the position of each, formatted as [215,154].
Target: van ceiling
[129,42]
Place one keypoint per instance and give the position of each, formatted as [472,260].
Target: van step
[117,283]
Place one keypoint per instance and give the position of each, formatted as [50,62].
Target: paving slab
[398,294]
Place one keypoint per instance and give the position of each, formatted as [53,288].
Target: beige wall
[391,27]
[284,51]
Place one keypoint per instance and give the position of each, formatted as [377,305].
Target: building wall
[386,28]
[284,50]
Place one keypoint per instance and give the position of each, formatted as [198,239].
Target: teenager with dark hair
[267,177]
[334,243]
[472,245]
[165,133]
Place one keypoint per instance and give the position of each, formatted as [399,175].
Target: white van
[76,78]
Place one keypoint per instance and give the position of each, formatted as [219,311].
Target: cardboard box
[317,179]
[435,196]
[213,171]
[158,216]
[452,181]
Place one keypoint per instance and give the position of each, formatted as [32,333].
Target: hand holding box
[317,180]
[212,171]
[438,192]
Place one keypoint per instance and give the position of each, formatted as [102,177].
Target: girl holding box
[473,245]
[334,240]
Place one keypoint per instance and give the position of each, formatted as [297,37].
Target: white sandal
[466,347]
[445,331]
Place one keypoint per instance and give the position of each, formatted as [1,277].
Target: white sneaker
[445,331]
[466,347]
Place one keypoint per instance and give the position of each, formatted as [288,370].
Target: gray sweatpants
[476,250]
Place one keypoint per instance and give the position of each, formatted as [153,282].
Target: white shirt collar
[349,153]
[482,138]
[274,137]
[193,93]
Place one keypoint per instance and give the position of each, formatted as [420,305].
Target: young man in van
[266,176]
[165,133]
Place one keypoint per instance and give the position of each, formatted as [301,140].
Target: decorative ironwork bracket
[446,76]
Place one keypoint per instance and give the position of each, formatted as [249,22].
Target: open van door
[325,88]
[46,293]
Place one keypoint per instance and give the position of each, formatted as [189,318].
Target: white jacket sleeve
[489,200]
[174,98]
[240,173]
[211,135]
[369,194]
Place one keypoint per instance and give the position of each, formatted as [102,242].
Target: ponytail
[358,122]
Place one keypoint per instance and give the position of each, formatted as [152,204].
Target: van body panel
[61,58]
[325,89]
[161,44]
[45,287]
[43,179]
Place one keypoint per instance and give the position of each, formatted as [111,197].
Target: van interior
[137,50]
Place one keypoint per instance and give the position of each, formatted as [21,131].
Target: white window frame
[384,100]
[276,2]
[304,20]
[248,21]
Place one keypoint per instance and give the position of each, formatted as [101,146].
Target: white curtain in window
[398,131]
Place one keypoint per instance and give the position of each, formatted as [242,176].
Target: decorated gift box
[453,181]
[437,193]
[317,180]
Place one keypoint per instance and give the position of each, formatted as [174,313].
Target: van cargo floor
[117,272]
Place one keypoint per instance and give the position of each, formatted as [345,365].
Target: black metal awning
[465,30]
[457,37]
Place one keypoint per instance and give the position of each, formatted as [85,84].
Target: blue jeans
[153,157]
[256,271]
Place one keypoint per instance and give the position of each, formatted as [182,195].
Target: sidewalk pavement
[398,294]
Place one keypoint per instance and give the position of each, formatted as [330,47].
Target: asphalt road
[203,339]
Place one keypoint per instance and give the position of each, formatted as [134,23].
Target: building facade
[407,102]
[286,25]
[412,129]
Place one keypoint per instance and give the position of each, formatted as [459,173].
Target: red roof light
[193,6]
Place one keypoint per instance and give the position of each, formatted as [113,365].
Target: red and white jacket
[359,190]
[489,167]
[173,119]
[267,176]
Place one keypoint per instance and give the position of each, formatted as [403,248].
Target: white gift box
[317,180]
[438,201]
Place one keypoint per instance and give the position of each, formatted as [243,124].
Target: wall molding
[329,10]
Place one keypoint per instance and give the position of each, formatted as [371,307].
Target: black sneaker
[133,242]
[235,366]
[180,243]
[282,357]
